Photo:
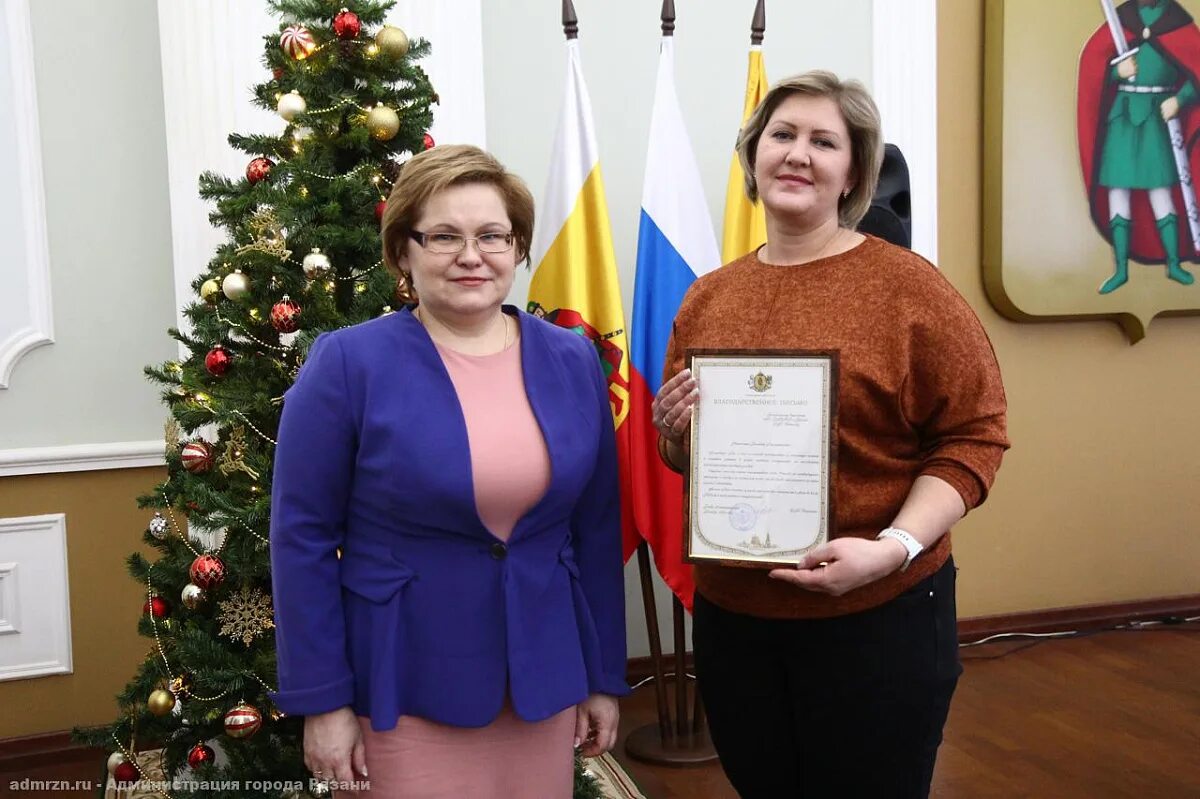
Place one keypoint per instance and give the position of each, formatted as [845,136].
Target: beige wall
[104,525]
[1099,499]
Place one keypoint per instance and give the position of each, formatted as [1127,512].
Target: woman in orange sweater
[834,678]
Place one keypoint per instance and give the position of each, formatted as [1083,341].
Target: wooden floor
[1101,717]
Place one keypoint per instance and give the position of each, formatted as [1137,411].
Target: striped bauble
[197,457]
[297,42]
[242,721]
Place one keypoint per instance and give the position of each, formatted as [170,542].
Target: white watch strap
[912,545]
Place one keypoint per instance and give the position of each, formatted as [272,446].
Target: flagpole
[569,20]
[758,25]
[688,743]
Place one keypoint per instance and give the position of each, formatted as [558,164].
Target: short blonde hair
[861,116]
[437,169]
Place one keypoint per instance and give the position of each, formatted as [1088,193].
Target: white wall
[524,67]
[524,72]
[104,165]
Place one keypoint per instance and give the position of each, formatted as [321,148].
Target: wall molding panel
[904,83]
[26,320]
[81,458]
[35,605]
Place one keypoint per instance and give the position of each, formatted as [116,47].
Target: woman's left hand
[596,724]
[849,563]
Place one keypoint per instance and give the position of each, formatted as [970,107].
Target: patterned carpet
[614,782]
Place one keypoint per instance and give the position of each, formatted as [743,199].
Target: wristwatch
[904,537]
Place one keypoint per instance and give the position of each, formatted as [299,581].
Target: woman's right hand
[671,411]
[333,746]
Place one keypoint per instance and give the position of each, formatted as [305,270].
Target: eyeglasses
[451,243]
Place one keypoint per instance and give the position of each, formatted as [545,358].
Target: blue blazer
[427,613]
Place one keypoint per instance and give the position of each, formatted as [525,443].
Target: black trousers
[838,708]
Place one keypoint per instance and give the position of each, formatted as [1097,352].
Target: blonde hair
[435,170]
[861,116]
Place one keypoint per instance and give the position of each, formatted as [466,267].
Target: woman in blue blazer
[409,607]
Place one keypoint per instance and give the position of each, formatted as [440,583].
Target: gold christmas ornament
[180,684]
[161,702]
[246,616]
[172,432]
[392,41]
[268,235]
[233,458]
[235,285]
[210,291]
[383,122]
[291,105]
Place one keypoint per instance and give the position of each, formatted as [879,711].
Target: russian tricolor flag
[676,244]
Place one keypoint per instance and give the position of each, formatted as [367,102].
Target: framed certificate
[759,488]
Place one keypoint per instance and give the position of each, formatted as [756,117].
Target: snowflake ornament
[246,615]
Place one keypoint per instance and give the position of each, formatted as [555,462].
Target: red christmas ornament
[380,207]
[428,142]
[277,73]
[197,457]
[346,24]
[242,721]
[285,316]
[259,169]
[218,361]
[297,41]
[207,571]
[200,755]
[126,772]
[156,607]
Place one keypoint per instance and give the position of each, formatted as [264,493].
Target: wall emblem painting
[1092,119]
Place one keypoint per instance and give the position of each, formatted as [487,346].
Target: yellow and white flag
[575,282]
[745,223]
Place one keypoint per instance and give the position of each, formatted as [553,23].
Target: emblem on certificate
[759,487]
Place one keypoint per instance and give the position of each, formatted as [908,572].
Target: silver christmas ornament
[192,595]
[317,264]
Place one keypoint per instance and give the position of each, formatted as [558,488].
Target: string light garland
[351,173]
[251,336]
[187,542]
[261,434]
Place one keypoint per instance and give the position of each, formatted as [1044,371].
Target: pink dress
[509,758]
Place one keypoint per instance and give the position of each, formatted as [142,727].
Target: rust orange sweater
[919,393]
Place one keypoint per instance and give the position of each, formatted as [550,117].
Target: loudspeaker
[890,214]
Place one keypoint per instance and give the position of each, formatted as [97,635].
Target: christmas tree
[302,257]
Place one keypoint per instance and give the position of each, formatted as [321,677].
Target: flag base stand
[649,745]
[683,742]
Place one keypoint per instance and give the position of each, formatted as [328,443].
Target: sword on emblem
[1174,129]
